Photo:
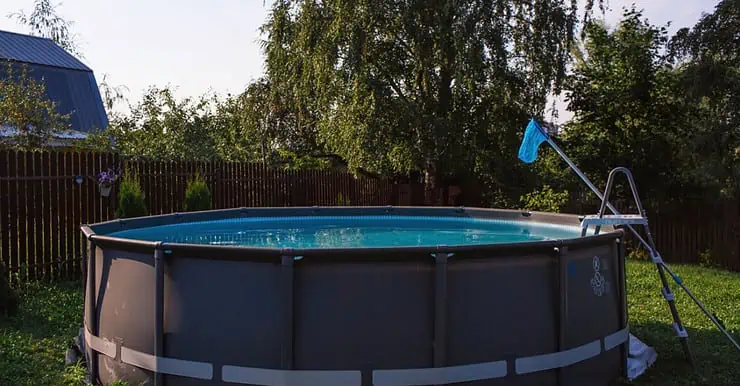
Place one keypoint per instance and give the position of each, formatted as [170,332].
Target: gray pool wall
[225,315]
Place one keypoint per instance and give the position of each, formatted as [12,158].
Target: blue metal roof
[37,50]
[69,83]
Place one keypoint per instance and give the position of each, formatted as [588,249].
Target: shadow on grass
[48,308]
[715,357]
[33,342]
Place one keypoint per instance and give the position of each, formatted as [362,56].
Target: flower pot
[104,190]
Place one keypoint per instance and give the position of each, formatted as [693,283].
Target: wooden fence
[46,196]
[690,232]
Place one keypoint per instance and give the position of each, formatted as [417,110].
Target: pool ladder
[618,219]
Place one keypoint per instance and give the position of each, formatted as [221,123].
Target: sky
[202,46]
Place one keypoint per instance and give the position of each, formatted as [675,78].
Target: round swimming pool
[355,296]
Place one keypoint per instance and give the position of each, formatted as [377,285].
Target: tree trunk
[431,188]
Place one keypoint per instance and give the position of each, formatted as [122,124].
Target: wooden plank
[156,187]
[176,183]
[48,235]
[58,220]
[172,201]
[38,217]
[237,184]
[164,186]
[270,181]
[80,209]
[23,214]
[69,196]
[102,202]
[252,184]
[93,177]
[261,185]
[232,184]
[14,211]
[57,169]
[5,217]
[92,189]
[244,183]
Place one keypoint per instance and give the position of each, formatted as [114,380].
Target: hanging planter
[105,189]
[105,182]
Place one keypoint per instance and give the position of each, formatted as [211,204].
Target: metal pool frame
[563,254]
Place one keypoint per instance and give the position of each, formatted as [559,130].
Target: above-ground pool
[347,296]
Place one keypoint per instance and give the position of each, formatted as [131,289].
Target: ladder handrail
[610,185]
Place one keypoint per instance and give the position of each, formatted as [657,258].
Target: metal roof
[68,82]
[37,50]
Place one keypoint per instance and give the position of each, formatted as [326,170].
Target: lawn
[33,343]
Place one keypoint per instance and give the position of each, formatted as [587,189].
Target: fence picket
[5,211]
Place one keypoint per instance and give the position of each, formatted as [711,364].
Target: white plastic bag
[641,356]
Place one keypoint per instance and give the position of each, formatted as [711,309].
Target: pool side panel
[222,312]
[124,304]
[364,316]
[501,309]
[593,311]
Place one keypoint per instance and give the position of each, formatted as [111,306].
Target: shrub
[131,198]
[343,201]
[544,200]
[197,195]
[8,296]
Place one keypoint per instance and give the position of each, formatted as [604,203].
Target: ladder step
[615,219]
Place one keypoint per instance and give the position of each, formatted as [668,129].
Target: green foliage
[545,200]
[624,112]
[25,107]
[197,195]
[443,88]
[666,109]
[131,201]
[708,61]
[342,201]
[46,22]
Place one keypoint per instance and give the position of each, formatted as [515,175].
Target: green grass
[650,320]
[33,343]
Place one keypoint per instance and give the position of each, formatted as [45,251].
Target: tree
[628,109]
[26,109]
[438,87]
[708,56]
[161,127]
[45,21]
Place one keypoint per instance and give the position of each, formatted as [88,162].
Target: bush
[8,296]
[343,201]
[131,198]
[544,200]
[197,195]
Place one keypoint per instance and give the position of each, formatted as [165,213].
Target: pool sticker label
[598,283]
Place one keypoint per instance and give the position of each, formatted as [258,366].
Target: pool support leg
[92,320]
[561,254]
[440,309]
[158,311]
[623,320]
[287,284]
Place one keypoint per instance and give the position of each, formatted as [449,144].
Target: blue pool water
[351,232]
